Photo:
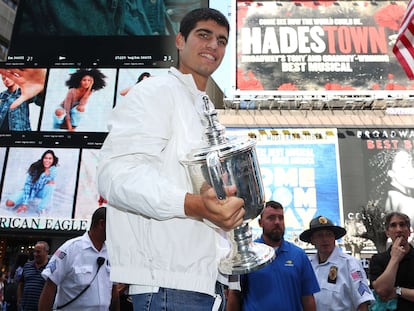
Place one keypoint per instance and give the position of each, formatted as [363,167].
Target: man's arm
[30,80]
[47,297]
[233,300]
[407,293]
[19,293]
[308,303]
[115,304]
[363,306]
[384,284]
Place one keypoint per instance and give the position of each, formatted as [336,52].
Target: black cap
[321,223]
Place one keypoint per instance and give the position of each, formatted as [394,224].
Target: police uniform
[73,267]
[343,282]
[342,279]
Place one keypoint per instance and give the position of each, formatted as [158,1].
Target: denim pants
[45,196]
[177,300]
[75,117]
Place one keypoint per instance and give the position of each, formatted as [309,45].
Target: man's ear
[179,41]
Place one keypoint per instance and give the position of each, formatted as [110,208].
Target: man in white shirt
[158,239]
[77,276]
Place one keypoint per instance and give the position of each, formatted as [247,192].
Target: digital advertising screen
[377,170]
[319,46]
[98,32]
[300,169]
[61,114]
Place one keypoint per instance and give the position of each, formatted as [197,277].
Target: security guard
[341,277]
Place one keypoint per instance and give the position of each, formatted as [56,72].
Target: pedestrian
[392,272]
[77,276]
[31,282]
[342,279]
[288,283]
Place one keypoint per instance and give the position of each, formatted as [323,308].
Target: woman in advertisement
[401,188]
[39,184]
[81,85]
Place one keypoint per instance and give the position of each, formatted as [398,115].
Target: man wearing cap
[342,279]
[287,284]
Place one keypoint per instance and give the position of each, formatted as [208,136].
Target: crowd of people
[78,275]
[162,240]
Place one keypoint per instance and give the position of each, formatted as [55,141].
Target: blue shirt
[32,189]
[32,286]
[17,118]
[281,284]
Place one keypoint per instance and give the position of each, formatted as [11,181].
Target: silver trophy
[232,162]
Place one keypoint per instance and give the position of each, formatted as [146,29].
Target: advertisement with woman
[377,170]
[41,183]
[78,99]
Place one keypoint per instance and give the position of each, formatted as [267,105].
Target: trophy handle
[216,173]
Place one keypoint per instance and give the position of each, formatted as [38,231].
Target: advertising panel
[62,112]
[319,46]
[98,32]
[300,169]
[377,169]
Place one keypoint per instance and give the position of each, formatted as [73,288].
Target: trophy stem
[246,256]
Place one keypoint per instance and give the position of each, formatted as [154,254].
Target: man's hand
[226,214]
[30,80]
[399,249]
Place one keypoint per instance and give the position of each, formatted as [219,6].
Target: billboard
[62,112]
[70,62]
[377,169]
[300,169]
[318,46]
[98,32]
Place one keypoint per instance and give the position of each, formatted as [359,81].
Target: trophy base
[255,257]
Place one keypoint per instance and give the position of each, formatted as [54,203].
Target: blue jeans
[75,117]
[45,195]
[177,300]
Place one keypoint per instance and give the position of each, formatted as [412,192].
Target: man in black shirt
[392,272]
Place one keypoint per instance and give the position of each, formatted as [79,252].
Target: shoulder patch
[60,254]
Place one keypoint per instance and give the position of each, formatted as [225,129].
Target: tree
[373,220]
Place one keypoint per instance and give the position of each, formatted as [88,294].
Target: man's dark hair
[405,218]
[190,20]
[100,213]
[274,204]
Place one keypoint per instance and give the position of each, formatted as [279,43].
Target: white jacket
[150,240]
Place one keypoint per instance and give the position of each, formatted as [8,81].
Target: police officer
[341,277]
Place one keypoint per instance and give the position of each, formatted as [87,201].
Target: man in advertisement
[159,241]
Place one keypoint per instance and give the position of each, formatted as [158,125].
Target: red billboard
[319,46]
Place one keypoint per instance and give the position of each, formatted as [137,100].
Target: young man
[13,117]
[392,273]
[343,281]
[78,264]
[286,284]
[158,240]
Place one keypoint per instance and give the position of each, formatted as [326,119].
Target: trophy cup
[232,162]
